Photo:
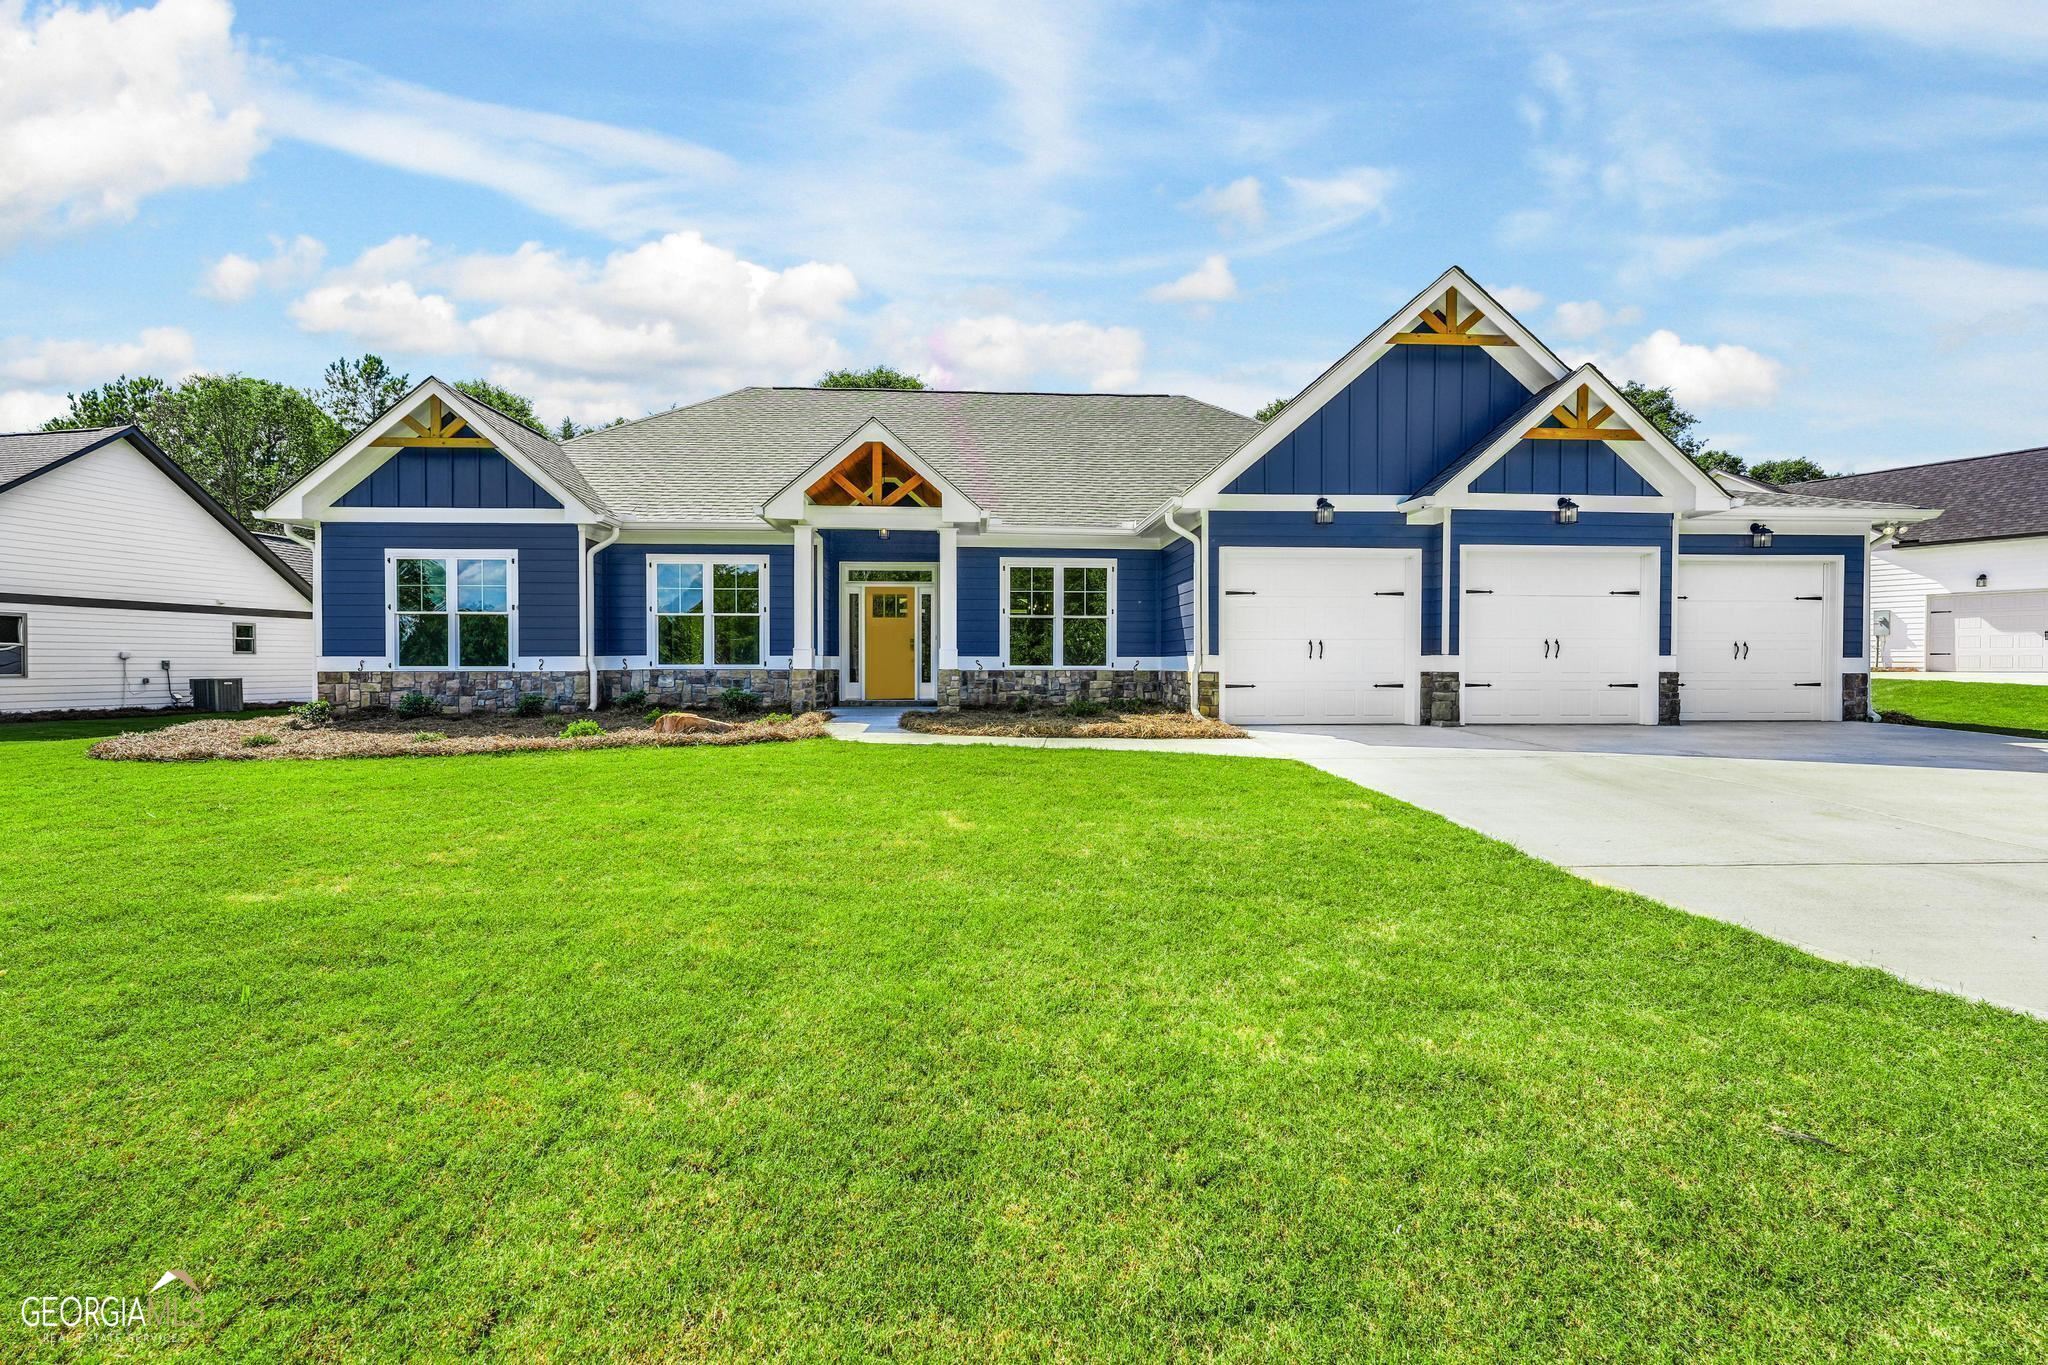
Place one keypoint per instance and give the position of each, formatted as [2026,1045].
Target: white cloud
[235,277]
[1240,205]
[1002,351]
[163,351]
[1518,298]
[99,109]
[1996,27]
[1209,282]
[1725,375]
[27,409]
[1576,321]
[1346,196]
[673,318]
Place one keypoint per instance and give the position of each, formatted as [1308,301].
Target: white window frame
[708,563]
[1059,607]
[448,559]
[21,642]
[235,639]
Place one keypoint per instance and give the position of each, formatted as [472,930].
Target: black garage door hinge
[1942,611]
[1390,684]
[1232,687]
[1624,592]
[1806,684]
[1240,592]
[1480,592]
[1624,684]
[1815,598]
[1395,593]
[1478,684]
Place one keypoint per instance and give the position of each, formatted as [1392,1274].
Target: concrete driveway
[1924,852]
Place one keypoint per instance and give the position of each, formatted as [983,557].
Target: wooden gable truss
[873,476]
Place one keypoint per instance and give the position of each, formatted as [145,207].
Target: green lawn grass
[826,1049]
[2018,708]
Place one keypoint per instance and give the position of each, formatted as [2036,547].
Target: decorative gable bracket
[872,478]
[1444,327]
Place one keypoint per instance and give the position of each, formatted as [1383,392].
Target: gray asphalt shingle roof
[1985,497]
[544,453]
[1757,493]
[298,557]
[26,454]
[1029,458]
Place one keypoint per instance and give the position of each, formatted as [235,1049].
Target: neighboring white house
[121,581]
[1968,591]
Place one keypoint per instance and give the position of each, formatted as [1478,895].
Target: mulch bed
[1054,724]
[383,735]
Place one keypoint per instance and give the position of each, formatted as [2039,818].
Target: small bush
[739,701]
[1081,708]
[579,729]
[637,697]
[1125,706]
[308,714]
[415,704]
[531,704]
[777,718]
[1022,703]
[427,736]
[653,715]
[258,741]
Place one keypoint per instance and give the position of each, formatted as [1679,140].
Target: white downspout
[589,594]
[1201,602]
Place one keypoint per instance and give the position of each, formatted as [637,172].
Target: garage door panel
[1554,638]
[1754,640]
[1991,632]
[1316,638]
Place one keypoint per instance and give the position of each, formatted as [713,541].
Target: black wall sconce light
[1983,580]
[1326,511]
[1759,536]
[1567,512]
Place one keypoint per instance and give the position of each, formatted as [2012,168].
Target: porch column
[949,598]
[804,588]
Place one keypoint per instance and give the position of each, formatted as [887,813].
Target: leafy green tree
[145,400]
[517,406]
[1796,469]
[356,392]
[879,377]
[571,429]
[1678,426]
[1271,410]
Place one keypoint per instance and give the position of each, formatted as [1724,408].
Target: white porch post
[803,651]
[949,597]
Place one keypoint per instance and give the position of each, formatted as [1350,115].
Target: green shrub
[1081,708]
[777,718]
[653,715]
[307,714]
[258,741]
[579,729]
[637,697]
[738,700]
[1021,703]
[427,736]
[531,704]
[414,704]
[1125,706]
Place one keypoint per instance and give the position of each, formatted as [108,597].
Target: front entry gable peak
[872,473]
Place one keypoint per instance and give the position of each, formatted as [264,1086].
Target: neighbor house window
[1058,615]
[450,611]
[13,646]
[709,612]
[245,637]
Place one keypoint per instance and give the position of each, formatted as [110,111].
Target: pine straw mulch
[1054,724]
[382,735]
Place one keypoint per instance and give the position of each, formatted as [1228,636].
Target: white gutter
[1201,604]
[589,595]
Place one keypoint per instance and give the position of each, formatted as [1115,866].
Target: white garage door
[1988,632]
[1317,636]
[1753,639]
[1557,637]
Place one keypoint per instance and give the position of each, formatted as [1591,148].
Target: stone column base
[813,689]
[1209,695]
[1667,699]
[1440,699]
[1855,696]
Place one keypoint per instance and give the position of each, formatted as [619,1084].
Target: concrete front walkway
[1920,851]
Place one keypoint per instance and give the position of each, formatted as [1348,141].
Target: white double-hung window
[1059,613]
[708,612]
[454,610]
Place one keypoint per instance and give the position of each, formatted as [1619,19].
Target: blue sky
[1822,221]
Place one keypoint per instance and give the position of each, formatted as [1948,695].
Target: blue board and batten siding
[1138,600]
[1578,468]
[1850,548]
[621,574]
[1650,530]
[1351,530]
[448,478]
[352,555]
[1391,429]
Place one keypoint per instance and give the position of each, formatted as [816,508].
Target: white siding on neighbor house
[112,525]
[1903,578]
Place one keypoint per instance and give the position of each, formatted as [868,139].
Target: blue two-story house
[1449,524]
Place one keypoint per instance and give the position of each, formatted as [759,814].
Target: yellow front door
[892,644]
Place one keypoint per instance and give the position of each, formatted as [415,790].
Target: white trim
[1411,584]
[453,516]
[449,559]
[1784,521]
[707,562]
[1052,539]
[1541,368]
[720,533]
[875,518]
[523,663]
[311,497]
[925,590]
[803,597]
[948,605]
[1058,564]
[789,504]
[1650,583]
[1304,502]
[1547,502]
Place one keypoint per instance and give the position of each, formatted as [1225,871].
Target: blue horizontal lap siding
[1351,530]
[352,555]
[1392,428]
[867,547]
[1651,530]
[1176,597]
[1850,548]
[621,575]
[980,623]
[447,478]
[1580,468]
